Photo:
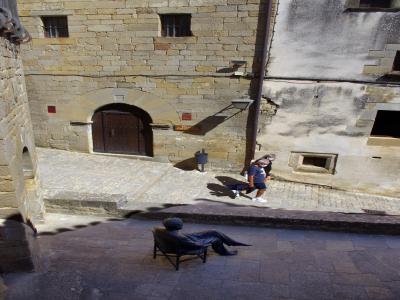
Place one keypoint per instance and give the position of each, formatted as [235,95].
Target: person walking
[258,175]
[258,178]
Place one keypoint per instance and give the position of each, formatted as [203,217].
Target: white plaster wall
[319,39]
[332,118]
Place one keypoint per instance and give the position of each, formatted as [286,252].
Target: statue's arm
[188,242]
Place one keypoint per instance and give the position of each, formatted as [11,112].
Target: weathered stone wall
[321,39]
[19,183]
[334,118]
[116,47]
[313,104]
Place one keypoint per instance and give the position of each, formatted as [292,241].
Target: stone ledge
[266,217]
[83,203]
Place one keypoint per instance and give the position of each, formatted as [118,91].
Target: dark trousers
[216,239]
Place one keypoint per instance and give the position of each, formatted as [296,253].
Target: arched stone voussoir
[159,109]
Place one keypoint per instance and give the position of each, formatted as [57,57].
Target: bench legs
[177,256]
[177,263]
[205,256]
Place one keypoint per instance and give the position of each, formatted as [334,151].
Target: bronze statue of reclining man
[210,237]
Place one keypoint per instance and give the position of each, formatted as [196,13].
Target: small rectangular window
[396,62]
[175,25]
[375,3]
[55,27]
[387,124]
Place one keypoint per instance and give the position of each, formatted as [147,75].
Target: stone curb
[83,203]
[278,218]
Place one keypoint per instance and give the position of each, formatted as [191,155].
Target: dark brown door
[118,132]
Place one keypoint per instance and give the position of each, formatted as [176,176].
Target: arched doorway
[123,129]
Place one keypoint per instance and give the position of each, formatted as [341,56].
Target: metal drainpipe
[261,80]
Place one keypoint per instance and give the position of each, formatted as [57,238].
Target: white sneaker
[236,193]
[259,200]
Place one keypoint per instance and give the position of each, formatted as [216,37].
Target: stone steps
[83,203]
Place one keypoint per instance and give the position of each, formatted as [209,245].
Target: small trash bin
[201,158]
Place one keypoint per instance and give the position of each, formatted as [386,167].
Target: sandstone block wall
[19,183]
[114,45]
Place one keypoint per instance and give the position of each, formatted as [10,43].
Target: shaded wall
[19,183]
[320,39]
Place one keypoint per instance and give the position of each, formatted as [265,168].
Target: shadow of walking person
[219,190]
[225,189]
[230,184]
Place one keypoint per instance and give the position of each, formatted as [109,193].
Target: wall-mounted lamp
[242,104]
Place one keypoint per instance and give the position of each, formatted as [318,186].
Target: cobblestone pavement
[100,259]
[148,183]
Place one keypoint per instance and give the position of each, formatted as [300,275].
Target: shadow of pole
[211,122]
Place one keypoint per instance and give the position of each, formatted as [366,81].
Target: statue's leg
[226,239]
[219,248]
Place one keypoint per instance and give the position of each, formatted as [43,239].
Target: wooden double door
[123,130]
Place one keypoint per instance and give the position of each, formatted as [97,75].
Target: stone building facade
[19,183]
[115,59]
[20,193]
[331,111]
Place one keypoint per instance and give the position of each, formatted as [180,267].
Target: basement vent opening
[315,161]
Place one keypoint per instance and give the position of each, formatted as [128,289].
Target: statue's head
[173,223]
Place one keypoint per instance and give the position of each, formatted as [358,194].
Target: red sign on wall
[51,109]
[186,116]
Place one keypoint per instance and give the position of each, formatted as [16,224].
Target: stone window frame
[296,162]
[383,141]
[385,62]
[354,6]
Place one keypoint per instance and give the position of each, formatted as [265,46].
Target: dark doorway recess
[387,124]
[122,129]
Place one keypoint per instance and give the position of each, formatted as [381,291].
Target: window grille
[175,25]
[55,27]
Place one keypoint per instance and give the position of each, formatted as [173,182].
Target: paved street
[100,259]
[149,184]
